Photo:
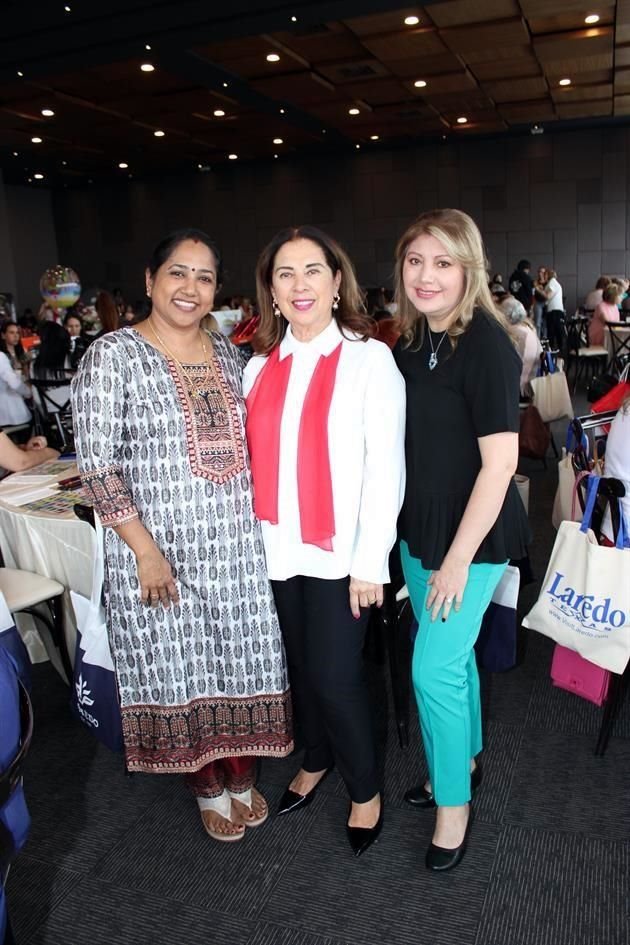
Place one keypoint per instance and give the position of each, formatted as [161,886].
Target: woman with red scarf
[325,428]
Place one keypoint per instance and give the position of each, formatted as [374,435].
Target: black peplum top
[473,392]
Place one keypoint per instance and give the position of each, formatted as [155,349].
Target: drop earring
[336,301]
[275,306]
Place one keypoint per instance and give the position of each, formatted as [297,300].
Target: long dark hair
[53,350]
[351,312]
[107,312]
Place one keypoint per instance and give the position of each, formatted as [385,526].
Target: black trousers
[324,646]
[556,329]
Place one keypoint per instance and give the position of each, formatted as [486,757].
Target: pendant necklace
[433,359]
[195,384]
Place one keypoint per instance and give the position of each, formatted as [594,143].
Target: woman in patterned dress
[193,629]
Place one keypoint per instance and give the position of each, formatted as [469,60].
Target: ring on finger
[448,600]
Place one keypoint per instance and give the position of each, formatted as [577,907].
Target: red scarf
[265,406]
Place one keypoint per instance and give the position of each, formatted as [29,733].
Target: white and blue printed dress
[205,678]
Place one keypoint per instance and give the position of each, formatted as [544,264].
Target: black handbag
[599,386]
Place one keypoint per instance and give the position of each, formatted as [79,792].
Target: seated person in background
[33,453]
[129,315]
[52,360]
[527,341]
[11,345]
[618,463]
[594,297]
[13,392]
[78,340]
[605,311]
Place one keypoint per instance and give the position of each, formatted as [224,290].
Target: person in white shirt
[13,391]
[594,297]
[325,427]
[618,464]
[555,311]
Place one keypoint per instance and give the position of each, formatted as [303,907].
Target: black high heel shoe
[420,797]
[362,838]
[439,859]
[291,800]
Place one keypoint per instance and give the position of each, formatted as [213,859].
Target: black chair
[52,402]
[586,357]
[619,334]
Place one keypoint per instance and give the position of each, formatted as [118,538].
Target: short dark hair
[166,246]
[524,264]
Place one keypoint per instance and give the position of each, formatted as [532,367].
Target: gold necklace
[195,384]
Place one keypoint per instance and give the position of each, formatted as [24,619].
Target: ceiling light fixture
[218,113]
[282,111]
[278,141]
[412,20]
[273,57]
[564,82]
[48,112]
[21,74]
[16,154]
[357,146]
[373,137]
[591,18]
[275,155]
[462,120]
[147,47]
[294,19]
[225,85]
[147,67]
[68,9]
[158,134]
[232,157]
[354,111]
[123,165]
[420,84]
[36,140]
[38,176]
[64,163]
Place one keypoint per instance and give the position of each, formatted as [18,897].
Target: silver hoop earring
[276,308]
[336,301]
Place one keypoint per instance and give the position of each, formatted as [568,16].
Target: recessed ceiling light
[147,67]
[275,155]
[354,111]
[158,134]
[232,157]
[36,140]
[30,180]
[147,47]
[591,18]
[68,9]
[462,120]
[200,166]
[273,57]
[294,19]
[278,141]
[282,111]
[225,85]
[47,112]
[64,163]
[323,131]
[123,165]
[564,82]
[16,153]
[412,20]
[357,146]
[21,74]
[38,176]
[218,113]
[373,137]
[420,84]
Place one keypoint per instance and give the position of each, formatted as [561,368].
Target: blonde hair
[461,238]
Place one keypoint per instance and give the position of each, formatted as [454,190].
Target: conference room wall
[558,199]
[33,241]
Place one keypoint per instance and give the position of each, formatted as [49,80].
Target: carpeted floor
[116,860]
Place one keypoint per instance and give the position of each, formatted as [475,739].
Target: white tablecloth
[58,547]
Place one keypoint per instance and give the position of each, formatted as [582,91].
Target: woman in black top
[462,518]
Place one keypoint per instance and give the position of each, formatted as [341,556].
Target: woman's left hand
[364,594]
[447,587]
[37,443]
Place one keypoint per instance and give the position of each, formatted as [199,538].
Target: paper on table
[18,497]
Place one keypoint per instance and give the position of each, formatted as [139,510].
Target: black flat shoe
[440,860]
[420,797]
[291,800]
[361,838]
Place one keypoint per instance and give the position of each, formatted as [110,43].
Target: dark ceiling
[345,74]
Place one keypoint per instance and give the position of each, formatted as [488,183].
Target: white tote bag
[584,603]
[90,614]
[551,396]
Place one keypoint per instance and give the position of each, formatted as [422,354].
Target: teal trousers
[445,677]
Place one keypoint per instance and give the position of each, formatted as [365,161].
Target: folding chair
[52,400]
